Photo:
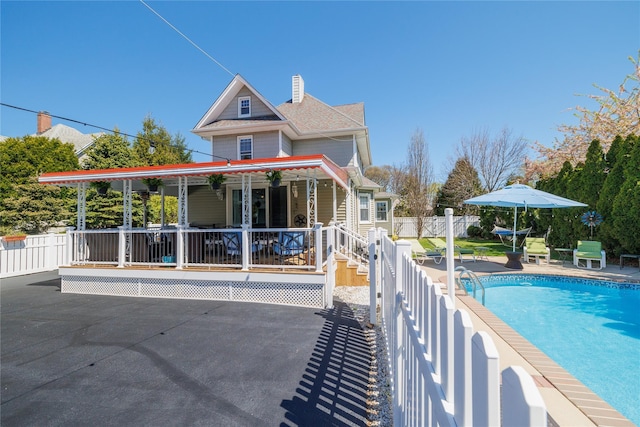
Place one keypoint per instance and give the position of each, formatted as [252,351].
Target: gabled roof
[81,141]
[230,92]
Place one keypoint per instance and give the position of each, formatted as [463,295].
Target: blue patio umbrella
[522,196]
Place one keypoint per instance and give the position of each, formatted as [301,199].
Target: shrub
[473,231]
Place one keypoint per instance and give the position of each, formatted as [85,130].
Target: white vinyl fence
[35,254]
[433,226]
[443,373]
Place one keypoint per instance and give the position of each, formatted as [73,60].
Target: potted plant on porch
[274,177]
[216,180]
[152,183]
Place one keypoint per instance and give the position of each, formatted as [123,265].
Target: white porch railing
[243,248]
[35,254]
[443,373]
[352,245]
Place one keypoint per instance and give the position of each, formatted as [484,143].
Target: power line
[152,143]
[186,38]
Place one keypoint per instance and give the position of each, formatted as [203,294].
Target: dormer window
[244,106]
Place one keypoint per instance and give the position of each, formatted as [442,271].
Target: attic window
[244,106]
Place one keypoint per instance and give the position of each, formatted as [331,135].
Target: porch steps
[350,274]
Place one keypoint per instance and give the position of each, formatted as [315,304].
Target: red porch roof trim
[314,161]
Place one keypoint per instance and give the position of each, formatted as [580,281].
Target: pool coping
[553,375]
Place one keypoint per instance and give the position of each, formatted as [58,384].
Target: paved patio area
[95,360]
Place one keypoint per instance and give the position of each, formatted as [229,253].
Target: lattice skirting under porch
[299,294]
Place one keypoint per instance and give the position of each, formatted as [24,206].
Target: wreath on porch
[300,220]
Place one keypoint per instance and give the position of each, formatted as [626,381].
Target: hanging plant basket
[152,184]
[274,177]
[216,180]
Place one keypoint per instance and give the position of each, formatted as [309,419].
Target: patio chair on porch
[232,241]
[289,243]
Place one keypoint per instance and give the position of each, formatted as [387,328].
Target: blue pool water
[589,327]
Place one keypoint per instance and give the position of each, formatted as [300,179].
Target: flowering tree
[618,114]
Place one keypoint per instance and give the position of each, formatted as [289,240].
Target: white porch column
[335,204]
[81,221]
[180,240]
[246,247]
[312,199]
[183,201]
[127,207]
[122,246]
[317,229]
[246,200]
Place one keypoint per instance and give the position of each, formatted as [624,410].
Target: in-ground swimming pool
[589,327]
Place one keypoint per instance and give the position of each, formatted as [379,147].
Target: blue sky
[449,68]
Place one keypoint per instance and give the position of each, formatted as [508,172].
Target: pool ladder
[475,282]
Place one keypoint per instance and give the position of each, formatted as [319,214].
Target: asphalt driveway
[94,360]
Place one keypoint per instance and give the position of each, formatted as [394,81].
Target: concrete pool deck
[569,402]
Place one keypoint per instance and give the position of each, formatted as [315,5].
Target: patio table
[623,256]
[563,252]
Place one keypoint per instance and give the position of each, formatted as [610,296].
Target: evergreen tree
[109,151]
[155,146]
[462,183]
[619,150]
[626,206]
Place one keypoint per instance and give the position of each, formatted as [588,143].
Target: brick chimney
[44,121]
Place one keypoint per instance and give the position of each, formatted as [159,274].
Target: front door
[278,207]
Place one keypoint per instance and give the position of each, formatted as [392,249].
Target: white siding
[340,151]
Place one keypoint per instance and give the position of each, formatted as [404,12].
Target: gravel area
[379,405]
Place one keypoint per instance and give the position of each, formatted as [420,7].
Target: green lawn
[496,248]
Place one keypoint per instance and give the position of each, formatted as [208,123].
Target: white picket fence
[444,374]
[433,226]
[35,254]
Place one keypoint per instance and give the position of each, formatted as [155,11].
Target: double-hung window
[381,211]
[244,106]
[365,209]
[245,147]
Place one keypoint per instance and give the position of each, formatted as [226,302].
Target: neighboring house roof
[81,141]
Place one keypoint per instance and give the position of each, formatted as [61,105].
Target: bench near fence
[443,373]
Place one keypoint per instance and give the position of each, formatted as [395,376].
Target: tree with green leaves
[462,183]
[615,164]
[155,146]
[109,151]
[626,206]
[26,205]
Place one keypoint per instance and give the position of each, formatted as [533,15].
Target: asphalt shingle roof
[312,115]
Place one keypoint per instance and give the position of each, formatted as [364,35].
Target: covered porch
[247,240]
